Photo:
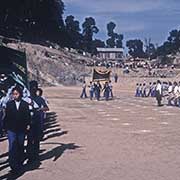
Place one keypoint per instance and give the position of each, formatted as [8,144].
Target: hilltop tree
[89,29]
[114,40]
[136,48]
[172,45]
[150,49]
[174,40]
[72,28]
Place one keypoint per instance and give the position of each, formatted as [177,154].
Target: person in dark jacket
[106,91]
[36,132]
[98,89]
[17,123]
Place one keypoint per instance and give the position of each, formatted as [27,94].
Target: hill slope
[54,66]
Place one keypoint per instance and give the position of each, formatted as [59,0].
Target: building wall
[110,55]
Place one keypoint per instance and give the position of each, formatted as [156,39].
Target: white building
[113,54]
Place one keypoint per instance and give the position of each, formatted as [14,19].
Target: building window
[118,55]
[107,55]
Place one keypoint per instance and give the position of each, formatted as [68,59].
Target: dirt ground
[126,138]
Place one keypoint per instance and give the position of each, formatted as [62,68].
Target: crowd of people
[97,90]
[22,115]
[168,90]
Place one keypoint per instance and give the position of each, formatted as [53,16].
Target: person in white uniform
[159,93]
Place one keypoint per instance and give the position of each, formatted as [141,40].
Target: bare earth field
[126,138]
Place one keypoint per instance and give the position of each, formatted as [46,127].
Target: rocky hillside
[54,65]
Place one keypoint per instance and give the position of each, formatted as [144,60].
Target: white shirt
[91,87]
[159,88]
[17,104]
[176,88]
[170,89]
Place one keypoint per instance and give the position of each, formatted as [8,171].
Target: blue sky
[134,18]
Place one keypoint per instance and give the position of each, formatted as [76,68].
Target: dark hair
[170,83]
[33,84]
[175,83]
[19,90]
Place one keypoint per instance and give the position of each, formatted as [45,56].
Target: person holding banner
[91,90]
[98,89]
[106,91]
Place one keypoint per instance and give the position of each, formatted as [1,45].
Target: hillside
[53,65]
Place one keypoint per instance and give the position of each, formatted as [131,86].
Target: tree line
[42,20]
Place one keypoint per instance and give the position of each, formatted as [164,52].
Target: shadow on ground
[51,130]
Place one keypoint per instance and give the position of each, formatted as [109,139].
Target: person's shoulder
[10,102]
[24,103]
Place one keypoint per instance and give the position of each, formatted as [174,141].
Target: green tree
[74,37]
[97,43]
[136,48]
[31,19]
[89,29]
[114,40]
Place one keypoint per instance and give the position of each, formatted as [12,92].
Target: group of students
[145,90]
[95,90]
[169,90]
[22,115]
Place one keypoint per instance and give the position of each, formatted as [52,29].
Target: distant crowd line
[169,90]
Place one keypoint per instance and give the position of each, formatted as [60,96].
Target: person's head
[109,81]
[17,93]
[33,84]
[140,84]
[158,82]
[144,84]
[91,82]
[175,83]
[33,91]
[150,83]
[39,92]
[170,83]
[137,84]
[84,82]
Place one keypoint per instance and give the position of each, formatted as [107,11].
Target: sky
[135,19]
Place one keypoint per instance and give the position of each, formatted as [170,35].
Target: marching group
[22,115]
[168,90]
[95,90]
